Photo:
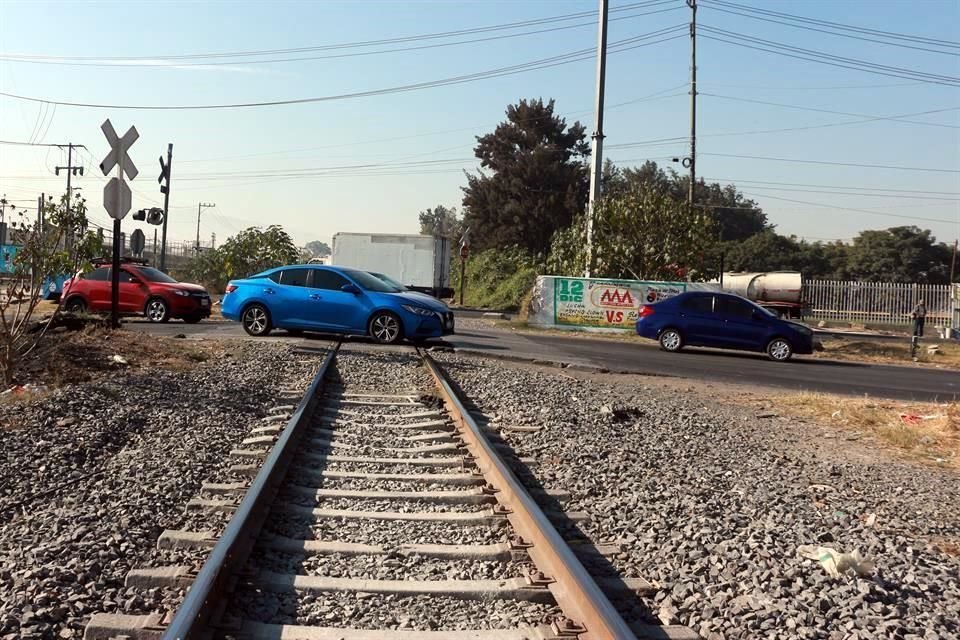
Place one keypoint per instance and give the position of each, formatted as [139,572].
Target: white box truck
[421,263]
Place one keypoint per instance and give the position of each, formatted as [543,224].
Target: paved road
[906,383]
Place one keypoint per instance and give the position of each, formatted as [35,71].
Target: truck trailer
[778,291]
[420,262]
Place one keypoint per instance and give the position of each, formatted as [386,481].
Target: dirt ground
[66,357]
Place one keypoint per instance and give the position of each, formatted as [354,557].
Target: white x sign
[119,146]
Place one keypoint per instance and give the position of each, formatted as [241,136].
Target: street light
[200,207]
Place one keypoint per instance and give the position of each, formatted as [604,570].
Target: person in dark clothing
[919,316]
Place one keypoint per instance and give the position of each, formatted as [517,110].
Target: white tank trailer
[778,291]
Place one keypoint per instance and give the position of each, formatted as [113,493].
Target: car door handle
[268,290]
[314,296]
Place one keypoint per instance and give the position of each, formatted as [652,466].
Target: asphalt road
[904,383]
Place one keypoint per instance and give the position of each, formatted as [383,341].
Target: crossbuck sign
[116,195]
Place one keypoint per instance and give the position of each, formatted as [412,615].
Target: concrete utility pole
[596,158]
[200,207]
[693,100]
[71,171]
[953,262]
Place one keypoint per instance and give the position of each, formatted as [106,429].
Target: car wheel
[75,305]
[779,350]
[385,328]
[256,320]
[671,340]
[192,319]
[157,310]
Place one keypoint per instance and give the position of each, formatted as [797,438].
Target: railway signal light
[140,215]
[155,216]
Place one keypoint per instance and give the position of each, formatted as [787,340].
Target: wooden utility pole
[71,171]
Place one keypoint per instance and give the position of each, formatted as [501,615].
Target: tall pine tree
[533,179]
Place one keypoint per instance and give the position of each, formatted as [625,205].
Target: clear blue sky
[211,147]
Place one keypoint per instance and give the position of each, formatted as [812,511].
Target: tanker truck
[779,291]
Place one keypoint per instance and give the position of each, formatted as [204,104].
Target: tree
[735,216]
[441,221]
[317,249]
[642,234]
[899,254]
[43,252]
[251,251]
[533,179]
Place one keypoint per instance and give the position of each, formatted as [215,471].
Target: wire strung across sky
[665,35]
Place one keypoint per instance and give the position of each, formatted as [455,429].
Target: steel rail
[230,554]
[592,615]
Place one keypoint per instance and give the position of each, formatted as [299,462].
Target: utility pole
[200,207]
[693,100]
[596,158]
[154,246]
[165,190]
[953,262]
[71,171]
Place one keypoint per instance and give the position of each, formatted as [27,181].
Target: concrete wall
[597,304]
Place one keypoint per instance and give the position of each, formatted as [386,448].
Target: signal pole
[596,159]
[71,171]
[693,100]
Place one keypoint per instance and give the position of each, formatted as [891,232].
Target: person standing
[919,315]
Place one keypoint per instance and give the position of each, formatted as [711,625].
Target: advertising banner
[606,304]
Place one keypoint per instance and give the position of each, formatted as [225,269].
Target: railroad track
[378,509]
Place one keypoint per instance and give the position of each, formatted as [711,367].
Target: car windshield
[369,282]
[155,275]
[390,281]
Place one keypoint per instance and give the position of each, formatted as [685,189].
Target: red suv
[143,291]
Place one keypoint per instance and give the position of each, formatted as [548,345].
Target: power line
[567,58]
[27,144]
[168,63]
[352,45]
[839,25]
[835,164]
[827,31]
[833,186]
[809,55]
[856,194]
[895,118]
[867,211]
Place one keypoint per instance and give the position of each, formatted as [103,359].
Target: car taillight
[646,310]
[231,288]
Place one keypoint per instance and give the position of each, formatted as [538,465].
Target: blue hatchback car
[336,300]
[723,321]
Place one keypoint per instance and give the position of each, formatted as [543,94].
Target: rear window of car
[734,307]
[326,279]
[699,304]
[294,277]
[98,274]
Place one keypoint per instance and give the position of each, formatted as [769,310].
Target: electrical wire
[26,144]
[566,58]
[53,113]
[839,25]
[358,44]
[709,5]
[829,60]
[833,164]
[895,118]
[867,211]
[834,186]
[166,63]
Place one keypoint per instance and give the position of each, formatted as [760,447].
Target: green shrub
[497,278]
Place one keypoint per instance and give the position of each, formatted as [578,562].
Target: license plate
[204,302]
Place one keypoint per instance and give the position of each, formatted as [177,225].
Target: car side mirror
[351,288]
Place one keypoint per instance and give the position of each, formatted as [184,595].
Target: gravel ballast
[94,472]
[712,502]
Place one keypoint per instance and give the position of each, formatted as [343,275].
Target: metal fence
[888,303]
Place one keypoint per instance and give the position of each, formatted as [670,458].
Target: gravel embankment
[712,503]
[92,473]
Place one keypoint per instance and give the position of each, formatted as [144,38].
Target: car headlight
[420,311]
[181,293]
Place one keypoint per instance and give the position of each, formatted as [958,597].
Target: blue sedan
[336,300]
[723,321]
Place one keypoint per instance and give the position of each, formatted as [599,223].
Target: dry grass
[927,430]
[891,352]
